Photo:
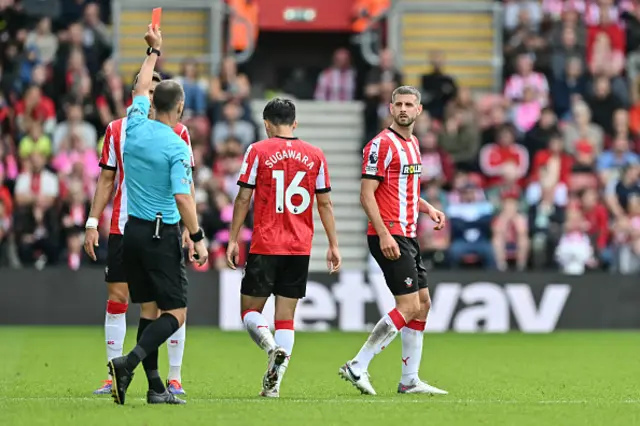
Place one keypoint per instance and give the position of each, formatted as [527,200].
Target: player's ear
[267,127]
[419,109]
[295,124]
[180,109]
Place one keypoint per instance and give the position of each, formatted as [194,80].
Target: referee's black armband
[198,236]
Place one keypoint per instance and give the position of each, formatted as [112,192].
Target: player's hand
[187,243]
[334,260]
[389,247]
[201,255]
[91,238]
[438,217]
[233,254]
[153,37]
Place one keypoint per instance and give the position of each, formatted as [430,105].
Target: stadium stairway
[185,34]
[337,129]
[466,37]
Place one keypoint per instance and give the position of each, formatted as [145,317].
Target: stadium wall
[351,301]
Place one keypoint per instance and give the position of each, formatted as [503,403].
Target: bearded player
[286,174]
[390,196]
[112,175]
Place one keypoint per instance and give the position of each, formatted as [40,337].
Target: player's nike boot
[270,379]
[360,379]
[273,393]
[154,397]
[121,377]
[175,387]
[418,386]
[105,389]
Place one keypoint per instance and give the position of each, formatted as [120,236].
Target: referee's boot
[121,377]
[165,397]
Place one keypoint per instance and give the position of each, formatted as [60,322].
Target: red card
[156,16]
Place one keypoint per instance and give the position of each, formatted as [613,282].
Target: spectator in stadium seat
[505,149]
[72,150]
[232,126]
[525,76]
[460,140]
[437,164]
[545,225]
[109,102]
[525,39]
[609,63]
[581,128]
[470,222]
[229,162]
[195,88]
[618,191]
[596,215]
[338,82]
[8,163]
[572,85]
[423,125]
[75,210]
[36,224]
[566,50]
[621,129]
[574,251]
[603,104]
[43,40]
[465,106]
[35,141]
[514,9]
[75,120]
[496,119]
[34,106]
[611,162]
[298,85]
[508,187]
[553,158]
[5,193]
[537,139]
[229,85]
[96,34]
[526,112]
[85,97]
[5,231]
[510,233]
[438,88]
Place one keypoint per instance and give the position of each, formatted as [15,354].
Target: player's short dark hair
[167,96]
[406,90]
[280,112]
[156,77]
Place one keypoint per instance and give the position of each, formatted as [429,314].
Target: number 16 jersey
[286,173]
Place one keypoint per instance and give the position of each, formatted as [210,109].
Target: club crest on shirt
[408,282]
[412,169]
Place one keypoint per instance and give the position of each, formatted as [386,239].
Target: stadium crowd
[545,174]
[59,89]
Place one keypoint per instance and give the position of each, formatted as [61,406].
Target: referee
[158,180]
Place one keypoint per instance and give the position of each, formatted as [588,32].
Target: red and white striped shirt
[396,163]
[112,159]
[286,174]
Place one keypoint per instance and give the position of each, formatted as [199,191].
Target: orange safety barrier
[365,10]
[240,33]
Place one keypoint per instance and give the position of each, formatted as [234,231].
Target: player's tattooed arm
[436,215]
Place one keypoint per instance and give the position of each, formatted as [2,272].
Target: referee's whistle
[156,234]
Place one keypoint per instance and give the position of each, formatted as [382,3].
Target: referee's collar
[293,138]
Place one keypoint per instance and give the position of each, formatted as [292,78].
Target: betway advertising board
[464,302]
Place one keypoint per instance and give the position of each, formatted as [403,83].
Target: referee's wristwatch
[151,50]
[198,236]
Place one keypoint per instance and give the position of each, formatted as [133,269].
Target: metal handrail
[244,55]
[367,38]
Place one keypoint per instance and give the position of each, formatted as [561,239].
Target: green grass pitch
[47,376]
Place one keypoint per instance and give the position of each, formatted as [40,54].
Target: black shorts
[114,272]
[405,275]
[155,268]
[281,275]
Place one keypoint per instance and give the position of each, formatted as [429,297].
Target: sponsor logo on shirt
[412,169]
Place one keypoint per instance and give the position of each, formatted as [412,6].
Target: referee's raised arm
[153,37]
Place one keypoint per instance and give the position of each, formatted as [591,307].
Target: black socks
[151,335]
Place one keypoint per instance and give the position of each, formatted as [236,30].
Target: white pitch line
[425,400]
